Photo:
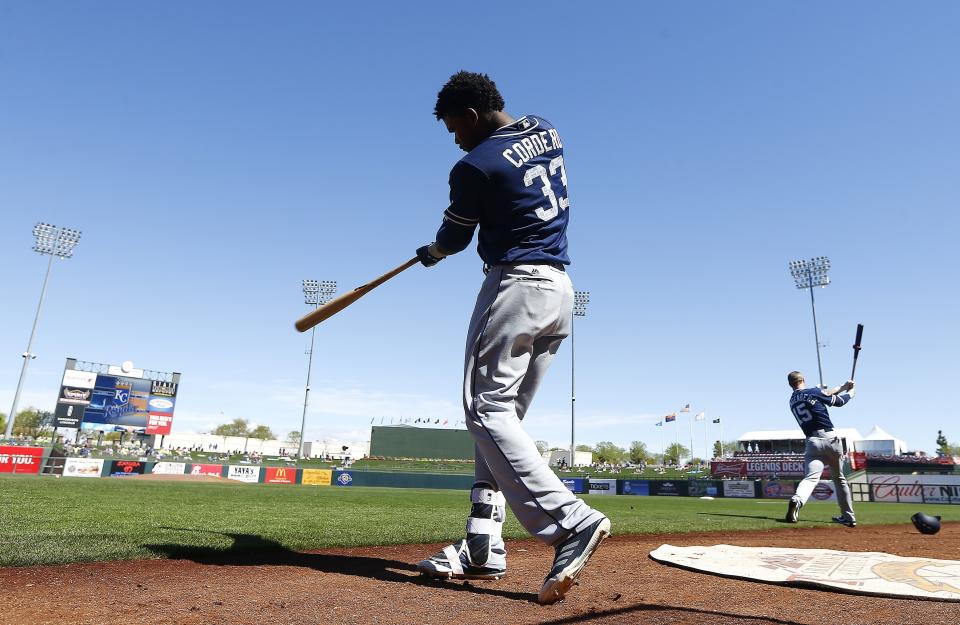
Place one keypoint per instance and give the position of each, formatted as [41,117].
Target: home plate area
[864,573]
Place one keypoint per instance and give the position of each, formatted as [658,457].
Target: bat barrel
[856,349]
[336,305]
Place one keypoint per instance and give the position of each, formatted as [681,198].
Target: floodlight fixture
[57,243]
[810,273]
[580,301]
[806,275]
[316,293]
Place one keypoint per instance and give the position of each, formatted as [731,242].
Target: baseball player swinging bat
[336,305]
[856,349]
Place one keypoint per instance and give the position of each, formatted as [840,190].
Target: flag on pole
[659,424]
[701,415]
[670,417]
[686,408]
[717,420]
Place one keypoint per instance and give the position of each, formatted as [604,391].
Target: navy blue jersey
[514,186]
[809,407]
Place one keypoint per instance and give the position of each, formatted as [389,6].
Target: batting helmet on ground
[925,523]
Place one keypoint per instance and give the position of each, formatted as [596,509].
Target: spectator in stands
[824,447]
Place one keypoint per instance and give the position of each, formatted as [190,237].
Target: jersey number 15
[801,413]
[539,172]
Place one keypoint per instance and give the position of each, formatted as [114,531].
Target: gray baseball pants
[825,451]
[522,314]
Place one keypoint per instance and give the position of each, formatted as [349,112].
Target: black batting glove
[426,258]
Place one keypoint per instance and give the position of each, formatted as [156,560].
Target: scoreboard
[107,397]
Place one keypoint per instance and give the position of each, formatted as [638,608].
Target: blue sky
[215,154]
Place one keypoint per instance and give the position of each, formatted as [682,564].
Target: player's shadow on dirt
[639,610]
[778,519]
[253,550]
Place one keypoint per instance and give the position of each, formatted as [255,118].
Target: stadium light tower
[580,301]
[316,294]
[56,243]
[808,274]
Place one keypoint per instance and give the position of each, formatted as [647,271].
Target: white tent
[879,442]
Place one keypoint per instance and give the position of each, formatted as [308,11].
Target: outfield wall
[883,487]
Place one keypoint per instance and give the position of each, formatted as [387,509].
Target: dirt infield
[379,585]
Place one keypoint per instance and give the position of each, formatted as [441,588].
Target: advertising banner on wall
[76,387]
[734,468]
[243,473]
[79,379]
[160,421]
[343,478]
[169,468]
[703,488]
[602,486]
[669,488]
[68,415]
[127,468]
[215,470]
[280,475]
[915,488]
[83,467]
[163,398]
[738,488]
[758,468]
[74,395]
[779,468]
[824,491]
[576,485]
[639,488]
[317,477]
[15,459]
[76,391]
[776,489]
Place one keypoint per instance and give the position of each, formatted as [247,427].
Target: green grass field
[52,521]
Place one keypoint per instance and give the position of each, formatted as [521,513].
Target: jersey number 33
[546,176]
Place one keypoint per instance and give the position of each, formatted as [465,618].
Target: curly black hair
[468,90]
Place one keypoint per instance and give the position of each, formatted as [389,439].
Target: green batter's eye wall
[412,442]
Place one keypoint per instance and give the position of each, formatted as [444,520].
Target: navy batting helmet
[925,523]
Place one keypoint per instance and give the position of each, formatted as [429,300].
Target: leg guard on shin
[482,554]
[485,526]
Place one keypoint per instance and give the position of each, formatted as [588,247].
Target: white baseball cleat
[570,558]
[844,520]
[793,511]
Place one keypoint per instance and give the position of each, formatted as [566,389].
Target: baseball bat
[334,306]
[856,349]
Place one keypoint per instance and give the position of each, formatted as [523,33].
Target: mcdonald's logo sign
[281,475]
